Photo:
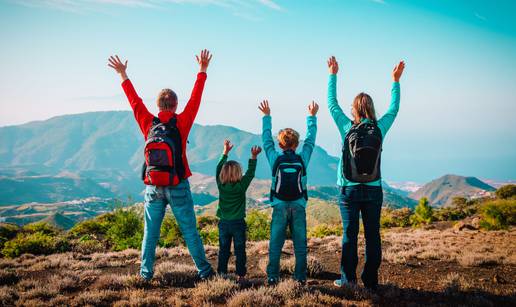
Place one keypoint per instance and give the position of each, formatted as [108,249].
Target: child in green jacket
[231,209]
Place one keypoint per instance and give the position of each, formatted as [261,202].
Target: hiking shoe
[337,283]
[208,276]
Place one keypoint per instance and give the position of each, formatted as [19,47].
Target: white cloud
[271,4]
[236,6]
[483,18]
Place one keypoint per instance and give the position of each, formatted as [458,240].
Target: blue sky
[458,93]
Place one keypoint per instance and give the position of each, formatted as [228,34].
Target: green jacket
[232,197]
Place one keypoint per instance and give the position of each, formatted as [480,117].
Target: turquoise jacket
[344,123]
[306,152]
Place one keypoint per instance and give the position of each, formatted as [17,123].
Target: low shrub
[395,217]
[258,226]
[506,191]
[423,214]
[324,230]
[43,241]
[170,232]
[126,230]
[498,214]
[7,232]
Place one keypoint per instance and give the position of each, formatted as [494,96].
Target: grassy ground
[439,266]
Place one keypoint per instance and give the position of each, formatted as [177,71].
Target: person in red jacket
[178,195]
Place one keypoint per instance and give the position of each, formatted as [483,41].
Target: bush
[506,191]
[7,232]
[43,228]
[324,230]
[258,226]
[395,217]
[97,226]
[423,214]
[126,231]
[498,214]
[459,209]
[170,232]
[34,243]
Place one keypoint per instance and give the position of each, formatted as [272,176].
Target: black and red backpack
[163,164]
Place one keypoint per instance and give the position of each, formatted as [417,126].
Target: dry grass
[213,291]
[453,282]
[8,277]
[96,298]
[170,274]
[468,248]
[482,263]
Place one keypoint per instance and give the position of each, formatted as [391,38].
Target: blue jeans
[180,199]
[366,200]
[228,231]
[293,215]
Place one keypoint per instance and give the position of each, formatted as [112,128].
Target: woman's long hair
[363,107]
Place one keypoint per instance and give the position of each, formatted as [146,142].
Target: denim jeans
[293,215]
[367,201]
[180,199]
[232,231]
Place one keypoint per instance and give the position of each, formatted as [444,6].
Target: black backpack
[163,164]
[361,153]
[289,177]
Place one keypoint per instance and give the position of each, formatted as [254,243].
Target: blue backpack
[289,177]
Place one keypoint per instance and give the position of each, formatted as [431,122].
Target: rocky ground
[439,265]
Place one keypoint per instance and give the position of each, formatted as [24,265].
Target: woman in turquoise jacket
[361,198]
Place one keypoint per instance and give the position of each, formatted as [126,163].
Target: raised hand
[264,107]
[398,71]
[204,60]
[118,66]
[333,66]
[255,151]
[227,147]
[313,107]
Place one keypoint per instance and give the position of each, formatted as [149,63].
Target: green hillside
[441,191]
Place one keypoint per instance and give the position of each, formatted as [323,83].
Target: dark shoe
[371,287]
[208,276]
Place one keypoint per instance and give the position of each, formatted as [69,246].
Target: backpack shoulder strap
[155,121]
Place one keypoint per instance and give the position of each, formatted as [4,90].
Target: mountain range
[99,154]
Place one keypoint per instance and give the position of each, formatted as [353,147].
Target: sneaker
[337,283]
[241,280]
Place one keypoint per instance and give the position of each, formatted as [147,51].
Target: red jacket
[185,120]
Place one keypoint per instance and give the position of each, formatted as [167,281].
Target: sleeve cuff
[202,75]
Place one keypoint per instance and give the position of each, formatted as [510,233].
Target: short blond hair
[288,138]
[231,172]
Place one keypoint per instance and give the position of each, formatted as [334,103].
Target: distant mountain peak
[441,191]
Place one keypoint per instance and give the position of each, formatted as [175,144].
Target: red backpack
[163,164]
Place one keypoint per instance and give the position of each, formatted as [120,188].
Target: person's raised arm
[311,132]
[341,120]
[387,119]
[251,167]
[142,115]
[268,143]
[192,107]
[223,158]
